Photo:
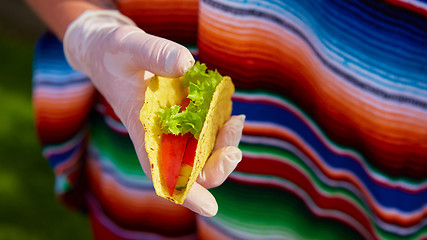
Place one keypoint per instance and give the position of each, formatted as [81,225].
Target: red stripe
[409,6]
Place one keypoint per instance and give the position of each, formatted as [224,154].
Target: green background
[28,208]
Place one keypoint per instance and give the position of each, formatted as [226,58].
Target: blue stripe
[61,157]
[39,82]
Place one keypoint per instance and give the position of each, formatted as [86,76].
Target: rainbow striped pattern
[335,142]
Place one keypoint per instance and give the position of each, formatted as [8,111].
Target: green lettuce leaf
[202,84]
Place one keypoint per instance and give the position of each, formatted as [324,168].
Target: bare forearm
[58,14]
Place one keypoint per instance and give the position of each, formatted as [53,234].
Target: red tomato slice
[172,153]
[190,151]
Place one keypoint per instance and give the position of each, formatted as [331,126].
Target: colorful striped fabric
[336,101]
[335,139]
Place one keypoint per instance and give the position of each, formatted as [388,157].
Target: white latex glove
[118,57]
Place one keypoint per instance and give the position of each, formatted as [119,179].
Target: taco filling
[182,124]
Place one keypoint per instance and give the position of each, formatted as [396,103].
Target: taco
[181,118]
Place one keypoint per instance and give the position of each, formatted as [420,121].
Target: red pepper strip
[172,153]
[190,151]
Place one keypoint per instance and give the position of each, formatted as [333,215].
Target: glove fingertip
[234,154]
[201,201]
[187,61]
[179,63]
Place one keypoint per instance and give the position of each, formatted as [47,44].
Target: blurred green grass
[28,208]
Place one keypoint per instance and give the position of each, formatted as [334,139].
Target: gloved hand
[118,57]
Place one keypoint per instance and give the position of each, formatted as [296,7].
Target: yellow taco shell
[166,92]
